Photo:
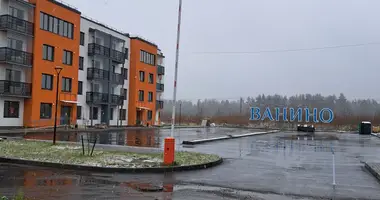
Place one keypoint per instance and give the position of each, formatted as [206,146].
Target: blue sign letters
[294,114]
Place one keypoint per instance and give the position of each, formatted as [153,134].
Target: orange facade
[138,110]
[58,13]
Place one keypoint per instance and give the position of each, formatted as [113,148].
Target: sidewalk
[64,130]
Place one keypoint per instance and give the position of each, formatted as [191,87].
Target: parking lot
[260,167]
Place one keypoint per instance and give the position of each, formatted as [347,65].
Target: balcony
[97,49]
[17,57]
[118,56]
[102,98]
[117,78]
[10,23]
[97,74]
[103,75]
[12,88]
[160,70]
[159,105]
[116,99]
[160,87]
[96,98]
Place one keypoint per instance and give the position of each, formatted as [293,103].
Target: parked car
[305,128]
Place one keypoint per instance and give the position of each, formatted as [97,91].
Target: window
[48,52]
[79,112]
[123,114]
[11,109]
[47,82]
[111,114]
[56,25]
[150,115]
[15,44]
[94,114]
[51,20]
[67,57]
[16,12]
[150,96]
[66,84]
[80,87]
[81,62]
[70,29]
[141,95]
[45,110]
[147,58]
[81,40]
[13,75]
[142,76]
[125,93]
[151,79]
[124,73]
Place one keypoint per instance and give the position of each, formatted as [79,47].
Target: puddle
[153,138]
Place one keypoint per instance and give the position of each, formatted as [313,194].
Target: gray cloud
[253,25]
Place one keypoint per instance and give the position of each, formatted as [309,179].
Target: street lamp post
[58,70]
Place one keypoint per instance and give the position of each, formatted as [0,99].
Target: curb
[112,169]
[372,171]
[193,142]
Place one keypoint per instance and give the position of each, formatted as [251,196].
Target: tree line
[344,109]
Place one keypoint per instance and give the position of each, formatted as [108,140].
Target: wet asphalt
[258,167]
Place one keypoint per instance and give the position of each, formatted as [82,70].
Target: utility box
[365,128]
[169,151]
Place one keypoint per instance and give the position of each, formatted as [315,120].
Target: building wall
[25,72]
[159,79]
[86,24]
[32,106]
[135,85]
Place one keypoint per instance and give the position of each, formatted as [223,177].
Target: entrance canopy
[72,102]
[143,108]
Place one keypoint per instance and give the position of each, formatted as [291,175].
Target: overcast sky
[252,26]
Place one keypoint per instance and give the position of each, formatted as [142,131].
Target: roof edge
[65,5]
[143,40]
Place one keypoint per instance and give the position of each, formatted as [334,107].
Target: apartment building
[103,75]
[36,37]
[144,87]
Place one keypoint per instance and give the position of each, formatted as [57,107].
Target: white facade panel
[102,39]
[12,122]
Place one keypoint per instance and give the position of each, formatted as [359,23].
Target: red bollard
[169,151]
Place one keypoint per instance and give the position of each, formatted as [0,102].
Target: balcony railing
[102,98]
[117,78]
[14,56]
[160,70]
[97,49]
[160,87]
[117,99]
[97,74]
[159,104]
[12,88]
[96,97]
[101,74]
[118,56]
[8,22]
